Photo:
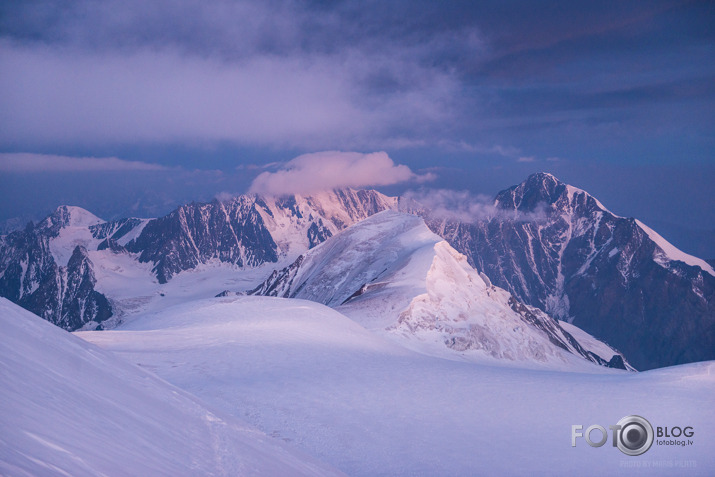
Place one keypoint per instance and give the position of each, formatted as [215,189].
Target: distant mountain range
[46,267]
[552,247]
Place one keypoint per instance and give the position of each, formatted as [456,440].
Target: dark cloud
[471,86]
[255,73]
[349,75]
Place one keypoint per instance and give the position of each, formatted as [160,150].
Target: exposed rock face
[247,230]
[197,233]
[557,248]
[31,277]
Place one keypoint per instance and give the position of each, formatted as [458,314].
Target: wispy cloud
[506,151]
[29,162]
[465,146]
[334,169]
[258,167]
[463,206]
[526,159]
[451,205]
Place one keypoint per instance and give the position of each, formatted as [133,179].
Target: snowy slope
[302,372]
[70,408]
[565,253]
[132,287]
[75,230]
[298,222]
[667,252]
[295,224]
[394,276]
[587,341]
[124,266]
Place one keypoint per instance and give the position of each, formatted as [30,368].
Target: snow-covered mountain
[557,248]
[553,246]
[76,270]
[45,268]
[245,230]
[71,408]
[391,274]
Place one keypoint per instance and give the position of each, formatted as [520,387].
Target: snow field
[306,374]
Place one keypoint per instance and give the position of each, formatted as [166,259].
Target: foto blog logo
[633,435]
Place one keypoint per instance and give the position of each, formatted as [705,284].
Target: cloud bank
[292,74]
[256,73]
[329,170]
[29,162]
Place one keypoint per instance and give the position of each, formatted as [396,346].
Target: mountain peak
[543,177]
[543,188]
[72,216]
[538,188]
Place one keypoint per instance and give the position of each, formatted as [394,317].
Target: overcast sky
[132,107]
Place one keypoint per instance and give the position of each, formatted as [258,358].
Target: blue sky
[132,107]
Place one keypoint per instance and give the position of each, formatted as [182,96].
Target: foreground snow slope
[70,408]
[309,375]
